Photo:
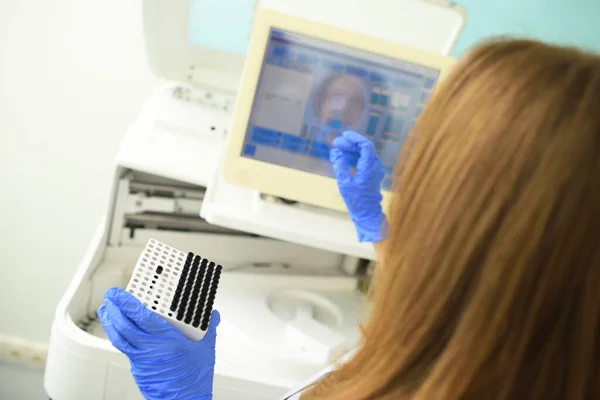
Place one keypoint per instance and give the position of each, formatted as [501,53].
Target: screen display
[221,25]
[311,91]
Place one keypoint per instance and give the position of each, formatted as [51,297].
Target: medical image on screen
[311,91]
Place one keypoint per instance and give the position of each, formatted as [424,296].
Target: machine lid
[175,138]
[203,43]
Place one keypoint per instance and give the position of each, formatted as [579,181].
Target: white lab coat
[295,392]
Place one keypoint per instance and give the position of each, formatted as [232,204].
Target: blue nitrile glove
[362,191]
[165,364]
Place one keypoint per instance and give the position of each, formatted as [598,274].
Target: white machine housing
[288,294]
[267,285]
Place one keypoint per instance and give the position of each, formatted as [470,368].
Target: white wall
[21,383]
[73,75]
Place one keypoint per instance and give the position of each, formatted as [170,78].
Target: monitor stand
[265,200]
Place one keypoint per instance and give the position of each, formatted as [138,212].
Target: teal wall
[570,22]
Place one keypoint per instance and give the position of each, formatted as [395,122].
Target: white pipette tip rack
[180,287]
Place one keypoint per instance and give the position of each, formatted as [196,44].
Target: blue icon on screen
[265,137]
[383,100]
[250,150]
[320,147]
[372,126]
[320,150]
[294,148]
[360,72]
[388,124]
[374,98]
[295,144]
[280,51]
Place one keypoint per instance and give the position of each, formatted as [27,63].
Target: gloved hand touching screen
[362,191]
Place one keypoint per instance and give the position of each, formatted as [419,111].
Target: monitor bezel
[285,182]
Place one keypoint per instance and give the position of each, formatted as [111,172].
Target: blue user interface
[310,91]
